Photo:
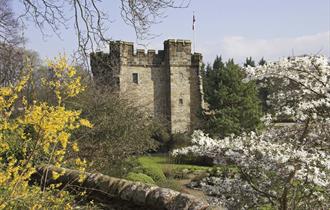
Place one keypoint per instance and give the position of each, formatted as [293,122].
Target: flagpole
[194,36]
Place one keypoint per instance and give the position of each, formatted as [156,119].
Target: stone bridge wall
[104,188]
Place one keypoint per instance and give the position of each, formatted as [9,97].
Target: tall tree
[262,62]
[8,24]
[210,79]
[233,105]
[249,62]
[12,61]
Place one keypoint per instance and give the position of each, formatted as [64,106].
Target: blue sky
[231,28]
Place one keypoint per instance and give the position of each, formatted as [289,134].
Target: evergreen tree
[218,63]
[249,62]
[233,105]
[262,62]
[211,78]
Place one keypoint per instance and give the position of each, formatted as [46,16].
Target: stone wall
[109,189]
[178,55]
[142,93]
[196,91]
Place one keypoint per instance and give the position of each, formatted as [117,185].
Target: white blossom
[294,157]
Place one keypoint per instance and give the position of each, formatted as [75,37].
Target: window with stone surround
[135,77]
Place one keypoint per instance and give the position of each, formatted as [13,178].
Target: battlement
[177,42]
[196,59]
[124,51]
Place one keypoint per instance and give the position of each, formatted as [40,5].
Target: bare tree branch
[142,14]
[90,20]
[87,17]
[8,24]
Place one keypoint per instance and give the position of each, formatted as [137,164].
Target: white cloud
[239,47]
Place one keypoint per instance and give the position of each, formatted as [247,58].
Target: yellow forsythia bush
[37,133]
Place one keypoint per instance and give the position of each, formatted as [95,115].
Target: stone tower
[167,83]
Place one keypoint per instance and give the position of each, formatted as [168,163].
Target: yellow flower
[75,147]
[79,162]
[71,71]
[63,139]
[36,206]
[85,123]
[4,147]
[51,127]
[5,91]
[55,175]
[81,178]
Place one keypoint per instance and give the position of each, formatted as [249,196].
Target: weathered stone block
[141,193]
[161,198]
[127,193]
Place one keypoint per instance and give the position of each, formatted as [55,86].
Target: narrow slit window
[181,101]
[135,78]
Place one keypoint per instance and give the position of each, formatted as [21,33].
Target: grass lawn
[177,175]
[172,175]
[165,163]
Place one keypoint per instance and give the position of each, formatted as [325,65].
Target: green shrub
[151,169]
[155,172]
[140,177]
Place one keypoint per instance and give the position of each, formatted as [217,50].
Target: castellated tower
[167,83]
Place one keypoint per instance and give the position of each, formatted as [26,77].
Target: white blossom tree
[281,167]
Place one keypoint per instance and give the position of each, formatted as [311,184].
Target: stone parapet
[125,52]
[104,188]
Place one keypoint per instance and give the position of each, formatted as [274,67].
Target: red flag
[194,20]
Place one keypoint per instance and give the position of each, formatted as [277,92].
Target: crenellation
[140,52]
[140,58]
[149,58]
[178,52]
[151,52]
[196,59]
[166,83]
